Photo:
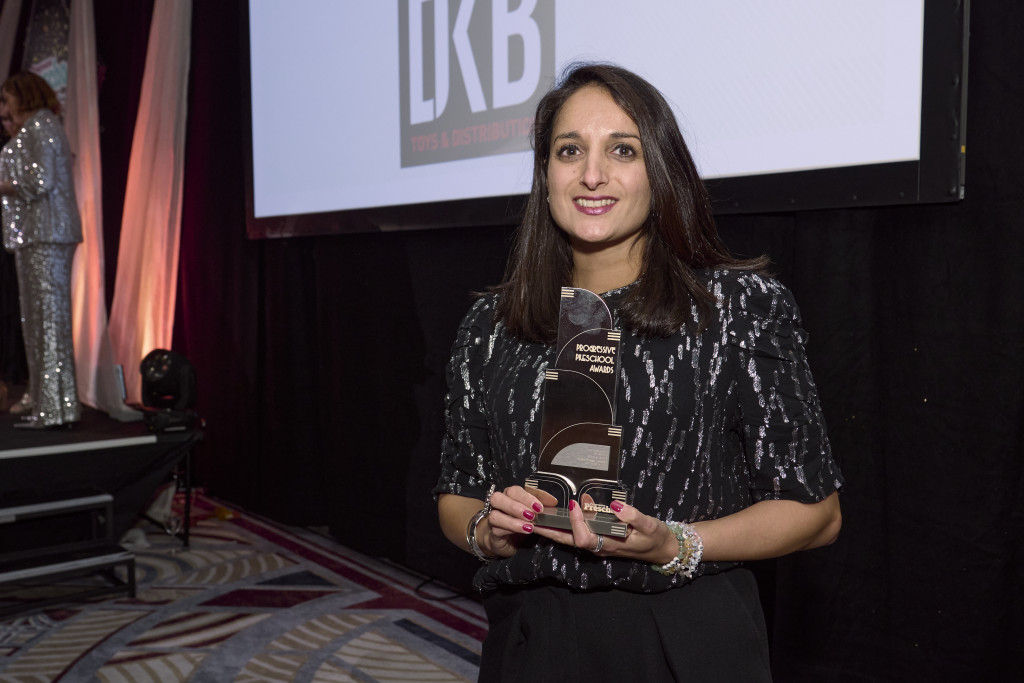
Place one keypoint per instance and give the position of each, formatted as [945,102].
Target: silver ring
[600,544]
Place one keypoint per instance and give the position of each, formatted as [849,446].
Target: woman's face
[11,115]
[599,193]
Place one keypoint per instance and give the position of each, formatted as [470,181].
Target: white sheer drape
[142,316]
[94,365]
[9,14]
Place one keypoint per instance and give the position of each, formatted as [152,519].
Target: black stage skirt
[711,630]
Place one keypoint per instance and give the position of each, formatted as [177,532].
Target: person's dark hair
[32,91]
[680,231]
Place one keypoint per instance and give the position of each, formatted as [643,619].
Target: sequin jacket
[711,423]
[38,161]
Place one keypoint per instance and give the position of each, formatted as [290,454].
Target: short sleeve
[465,449]
[784,433]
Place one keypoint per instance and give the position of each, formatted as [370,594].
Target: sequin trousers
[44,284]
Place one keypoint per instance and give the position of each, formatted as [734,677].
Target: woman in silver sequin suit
[722,430]
[41,226]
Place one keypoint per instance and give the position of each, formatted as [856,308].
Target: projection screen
[417,113]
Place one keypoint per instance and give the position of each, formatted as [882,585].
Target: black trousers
[710,630]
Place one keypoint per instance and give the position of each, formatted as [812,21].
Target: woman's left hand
[647,538]
[766,529]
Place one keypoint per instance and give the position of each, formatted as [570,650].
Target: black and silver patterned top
[711,423]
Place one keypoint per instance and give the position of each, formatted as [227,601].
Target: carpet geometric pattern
[249,601]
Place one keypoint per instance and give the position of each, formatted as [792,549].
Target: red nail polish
[616,505]
[538,507]
[572,504]
[528,528]
[528,514]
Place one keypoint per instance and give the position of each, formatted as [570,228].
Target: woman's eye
[568,151]
[624,150]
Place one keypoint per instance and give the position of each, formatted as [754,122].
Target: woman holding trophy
[722,447]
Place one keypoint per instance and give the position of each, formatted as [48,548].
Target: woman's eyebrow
[573,135]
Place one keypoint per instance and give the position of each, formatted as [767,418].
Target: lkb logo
[472,72]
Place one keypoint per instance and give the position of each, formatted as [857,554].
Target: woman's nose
[594,173]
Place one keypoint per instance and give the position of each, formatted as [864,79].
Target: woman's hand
[500,533]
[647,538]
[512,513]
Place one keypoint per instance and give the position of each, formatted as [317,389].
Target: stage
[67,496]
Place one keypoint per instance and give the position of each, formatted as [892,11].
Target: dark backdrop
[320,367]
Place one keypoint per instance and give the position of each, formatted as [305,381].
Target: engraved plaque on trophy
[580,442]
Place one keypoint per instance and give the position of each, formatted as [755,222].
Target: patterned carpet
[249,601]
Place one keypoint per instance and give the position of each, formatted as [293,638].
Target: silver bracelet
[474,522]
[691,549]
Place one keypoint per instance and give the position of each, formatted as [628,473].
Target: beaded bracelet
[691,548]
[474,522]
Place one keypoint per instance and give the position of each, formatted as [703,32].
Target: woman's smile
[594,206]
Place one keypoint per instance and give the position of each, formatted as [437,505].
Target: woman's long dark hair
[680,231]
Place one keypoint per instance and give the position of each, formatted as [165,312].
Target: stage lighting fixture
[168,381]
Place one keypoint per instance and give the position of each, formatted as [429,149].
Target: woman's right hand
[511,519]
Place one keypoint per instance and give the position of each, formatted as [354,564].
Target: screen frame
[936,177]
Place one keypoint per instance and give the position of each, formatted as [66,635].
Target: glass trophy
[580,442]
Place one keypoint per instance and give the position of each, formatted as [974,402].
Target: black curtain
[13,365]
[320,366]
